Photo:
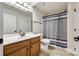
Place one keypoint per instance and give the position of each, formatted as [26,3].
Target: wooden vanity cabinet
[29,47]
[14,48]
[35,49]
[35,46]
[22,52]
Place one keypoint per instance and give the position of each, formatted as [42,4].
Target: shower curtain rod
[56,15]
[56,19]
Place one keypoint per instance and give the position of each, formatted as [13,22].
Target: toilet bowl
[45,43]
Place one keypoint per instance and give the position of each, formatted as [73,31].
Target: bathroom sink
[14,39]
[7,39]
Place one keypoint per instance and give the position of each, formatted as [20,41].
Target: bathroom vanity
[22,46]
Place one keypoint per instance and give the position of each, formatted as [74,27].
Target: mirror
[16,20]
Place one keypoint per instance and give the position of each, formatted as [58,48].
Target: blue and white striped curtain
[56,29]
[62,29]
[50,28]
[53,29]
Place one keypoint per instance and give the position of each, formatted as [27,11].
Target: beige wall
[37,16]
[1,30]
[70,27]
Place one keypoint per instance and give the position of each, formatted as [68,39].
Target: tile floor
[52,51]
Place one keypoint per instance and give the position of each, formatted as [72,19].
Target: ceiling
[49,8]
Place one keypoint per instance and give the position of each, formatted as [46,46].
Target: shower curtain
[62,29]
[53,29]
[56,29]
[50,29]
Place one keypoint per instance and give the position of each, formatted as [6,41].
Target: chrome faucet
[21,33]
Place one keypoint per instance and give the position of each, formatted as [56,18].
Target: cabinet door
[35,49]
[11,48]
[22,52]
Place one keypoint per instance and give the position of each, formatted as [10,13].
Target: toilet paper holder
[76,38]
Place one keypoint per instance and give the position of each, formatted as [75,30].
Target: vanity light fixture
[23,5]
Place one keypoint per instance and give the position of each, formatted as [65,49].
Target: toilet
[45,43]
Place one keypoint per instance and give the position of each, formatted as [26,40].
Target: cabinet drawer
[21,52]
[8,49]
[33,40]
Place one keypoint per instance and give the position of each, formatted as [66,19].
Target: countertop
[13,38]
